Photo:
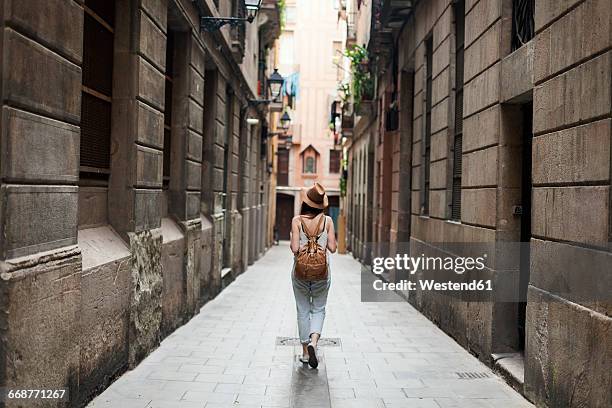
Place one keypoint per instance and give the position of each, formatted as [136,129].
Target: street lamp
[252,7]
[285,120]
[210,24]
[288,142]
[275,83]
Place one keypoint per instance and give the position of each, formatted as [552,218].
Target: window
[334,161]
[96,95]
[309,165]
[427,141]
[523,26]
[168,108]
[458,134]
[290,14]
[283,167]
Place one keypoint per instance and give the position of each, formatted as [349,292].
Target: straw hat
[315,196]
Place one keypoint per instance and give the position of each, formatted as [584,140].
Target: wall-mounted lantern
[210,24]
[285,120]
[275,83]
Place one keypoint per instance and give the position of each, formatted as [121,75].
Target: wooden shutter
[96,96]
[283,167]
[334,161]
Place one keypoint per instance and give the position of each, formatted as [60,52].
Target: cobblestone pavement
[227,356]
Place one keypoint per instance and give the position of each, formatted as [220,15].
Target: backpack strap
[307,231]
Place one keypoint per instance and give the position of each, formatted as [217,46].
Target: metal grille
[472,375]
[95,132]
[323,341]
[427,141]
[456,192]
[458,134]
[523,26]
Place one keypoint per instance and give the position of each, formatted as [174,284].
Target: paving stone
[227,356]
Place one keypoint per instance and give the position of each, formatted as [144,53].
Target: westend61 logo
[459,265]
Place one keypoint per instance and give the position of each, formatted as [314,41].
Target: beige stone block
[149,125]
[147,209]
[157,10]
[479,168]
[37,218]
[151,84]
[149,167]
[564,45]
[483,52]
[196,86]
[194,175]
[579,154]
[152,42]
[93,207]
[416,178]
[417,153]
[196,117]
[38,149]
[577,95]
[41,308]
[547,11]
[576,36]
[36,78]
[44,21]
[571,272]
[198,57]
[482,129]
[437,203]
[194,146]
[441,57]
[437,174]
[481,16]
[440,86]
[439,116]
[479,206]
[439,145]
[443,27]
[560,213]
[517,74]
[419,75]
[482,91]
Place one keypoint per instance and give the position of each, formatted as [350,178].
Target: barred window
[523,25]
[96,89]
[427,141]
[334,161]
[458,134]
[168,108]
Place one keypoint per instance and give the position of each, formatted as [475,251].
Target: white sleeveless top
[322,240]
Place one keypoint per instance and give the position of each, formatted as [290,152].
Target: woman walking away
[312,234]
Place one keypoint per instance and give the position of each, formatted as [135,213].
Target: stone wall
[560,78]
[95,272]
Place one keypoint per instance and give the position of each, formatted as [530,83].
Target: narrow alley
[241,351]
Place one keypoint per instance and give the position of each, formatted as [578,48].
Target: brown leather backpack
[311,259]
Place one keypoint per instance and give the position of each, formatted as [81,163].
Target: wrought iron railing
[523,25]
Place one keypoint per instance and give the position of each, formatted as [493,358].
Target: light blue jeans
[310,301]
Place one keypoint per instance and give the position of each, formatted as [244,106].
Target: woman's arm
[295,234]
[331,236]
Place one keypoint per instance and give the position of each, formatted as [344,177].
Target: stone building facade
[133,188]
[491,123]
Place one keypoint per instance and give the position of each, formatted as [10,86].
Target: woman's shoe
[304,359]
[312,356]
